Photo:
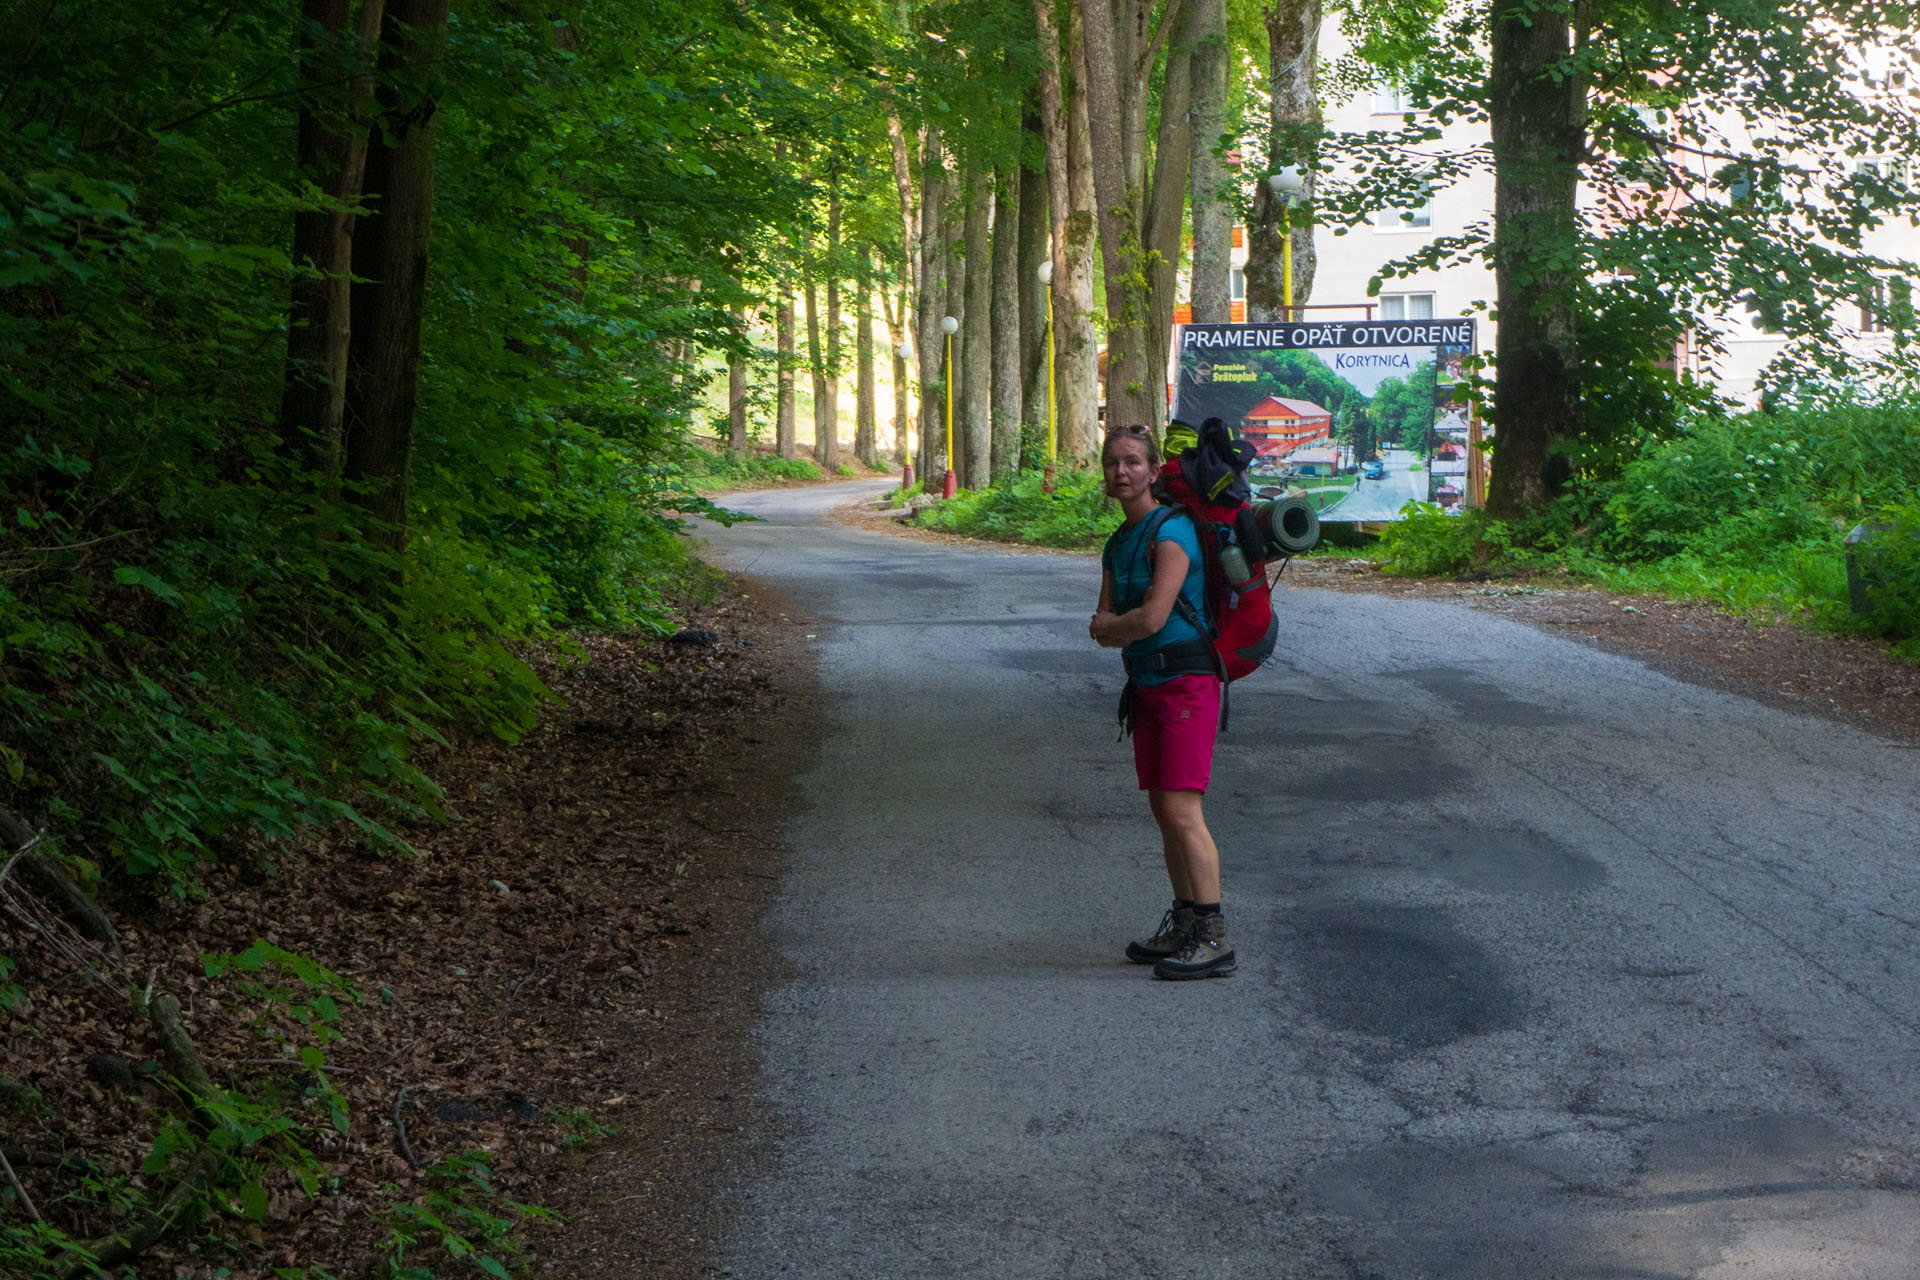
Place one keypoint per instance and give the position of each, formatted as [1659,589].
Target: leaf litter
[565,977]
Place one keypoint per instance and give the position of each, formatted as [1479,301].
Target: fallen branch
[53,882]
[291,1062]
[19,1189]
[164,1012]
[95,1256]
[85,938]
[26,1158]
[400,1125]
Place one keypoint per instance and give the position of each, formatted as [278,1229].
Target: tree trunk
[897,312]
[827,444]
[1008,411]
[784,442]
[953,351]
[737,391]
[816,370]
[1033,306]
[1208,58]
[1172,151]
[865,409]
[931,305]
[332,153]
[1122,42]
[1538,118]
[390,260]
[976,337]
[909,214]
[1293,52]
[1063,130]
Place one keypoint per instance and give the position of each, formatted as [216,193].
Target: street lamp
[1286,187]
[901,353]
[949,485]
[1046,284]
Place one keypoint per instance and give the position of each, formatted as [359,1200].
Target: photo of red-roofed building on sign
[1278,425]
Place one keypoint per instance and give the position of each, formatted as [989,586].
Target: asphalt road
[1550,966]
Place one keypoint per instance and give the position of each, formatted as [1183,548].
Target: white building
[1347,262]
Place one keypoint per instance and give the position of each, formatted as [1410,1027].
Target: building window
[1406,306]
[1392,98]
[1237,284]
[1883,182]
[1888,305]
[1417,218]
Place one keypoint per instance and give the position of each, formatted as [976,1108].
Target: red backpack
[1208,482]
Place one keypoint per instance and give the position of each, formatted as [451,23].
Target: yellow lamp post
[1286,187]
[1046,284]
[949,485]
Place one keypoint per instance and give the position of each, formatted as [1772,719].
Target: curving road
[1550,966]
[1382,499]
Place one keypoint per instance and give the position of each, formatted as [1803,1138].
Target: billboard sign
[1360,416]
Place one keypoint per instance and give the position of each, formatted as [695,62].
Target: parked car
[1374,470]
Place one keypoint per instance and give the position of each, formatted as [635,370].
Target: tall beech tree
[336,55]
[1069,168]
[973,430]
[390,261]
[1210,60]
[785,428]
[1124,40]
[1538,119]
[1293,62]
[1008,410]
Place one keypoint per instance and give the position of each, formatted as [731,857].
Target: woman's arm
[1102,611]
[1118,630]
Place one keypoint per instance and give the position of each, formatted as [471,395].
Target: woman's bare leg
[1193,862]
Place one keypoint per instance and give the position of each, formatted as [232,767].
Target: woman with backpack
[1152,608]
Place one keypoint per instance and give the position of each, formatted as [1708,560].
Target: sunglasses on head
[1136,432]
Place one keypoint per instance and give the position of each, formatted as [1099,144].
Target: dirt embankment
[576,950]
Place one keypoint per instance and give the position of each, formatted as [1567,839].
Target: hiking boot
[1203,953]
[1165,940]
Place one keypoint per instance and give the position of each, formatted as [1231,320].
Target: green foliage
[13,996]
[1077,513]
[1750,510]
[581,1129]
[1889,561]
[1663,247]
[463,1213]
[1426,542]
[729,470]
[204,648]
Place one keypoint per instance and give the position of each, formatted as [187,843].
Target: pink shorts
[1173,730]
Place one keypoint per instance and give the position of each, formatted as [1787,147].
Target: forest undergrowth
[409,1054]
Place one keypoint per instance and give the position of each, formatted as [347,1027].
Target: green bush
[1077,513]
[1890,561]
[706,470]
[1427,542]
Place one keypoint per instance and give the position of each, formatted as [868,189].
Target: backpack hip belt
[1194,657]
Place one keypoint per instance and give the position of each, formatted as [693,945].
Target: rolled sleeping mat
[1290,526]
